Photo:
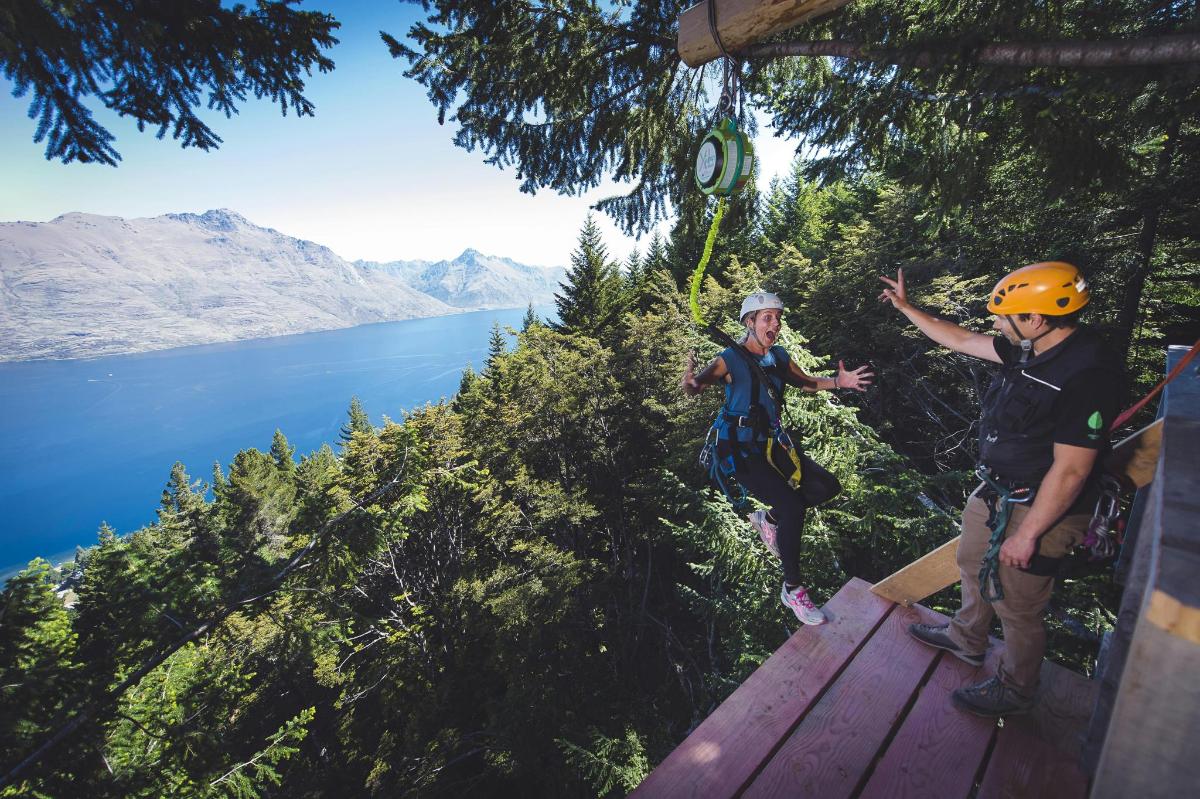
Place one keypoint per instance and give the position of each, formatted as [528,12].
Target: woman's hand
[858,380]
[895,293]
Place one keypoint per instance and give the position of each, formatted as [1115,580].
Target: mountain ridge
[88,285]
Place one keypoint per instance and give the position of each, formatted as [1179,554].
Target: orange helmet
[1052,288]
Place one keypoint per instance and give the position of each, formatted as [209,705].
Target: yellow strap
[797,474]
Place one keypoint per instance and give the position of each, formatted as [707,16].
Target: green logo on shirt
[1095,425]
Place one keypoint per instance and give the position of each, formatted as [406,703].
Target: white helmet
[759,301]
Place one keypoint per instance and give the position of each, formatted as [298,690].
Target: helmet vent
[1063,302]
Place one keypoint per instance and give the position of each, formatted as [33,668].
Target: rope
[712,27]
[729,78]
[698,274]
[990,587]
[1127,415]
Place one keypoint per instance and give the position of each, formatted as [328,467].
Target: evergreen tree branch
[1179,48]
[93,709]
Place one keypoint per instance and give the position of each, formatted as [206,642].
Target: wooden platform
[857,707]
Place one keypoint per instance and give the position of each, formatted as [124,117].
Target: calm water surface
[88,441]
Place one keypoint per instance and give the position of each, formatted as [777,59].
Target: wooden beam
[741,23]
[1136,458]
[927,575]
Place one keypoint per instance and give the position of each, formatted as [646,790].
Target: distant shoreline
[57,561]
[5,358]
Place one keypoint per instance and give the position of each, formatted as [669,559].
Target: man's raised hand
[895,292]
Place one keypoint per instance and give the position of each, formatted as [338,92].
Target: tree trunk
[1127,316]
[1179,48]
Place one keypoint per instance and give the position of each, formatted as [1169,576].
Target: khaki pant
[1025,595]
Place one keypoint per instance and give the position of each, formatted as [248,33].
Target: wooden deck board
[938,749]
[722,755]
[856,707]
[1038,755]
[840,737]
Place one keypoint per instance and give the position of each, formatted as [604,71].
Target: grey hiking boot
[991,698]
[936,636]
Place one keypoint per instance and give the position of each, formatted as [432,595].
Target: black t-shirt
[1084,408]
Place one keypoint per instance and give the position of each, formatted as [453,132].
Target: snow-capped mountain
[84,285]
[475,280]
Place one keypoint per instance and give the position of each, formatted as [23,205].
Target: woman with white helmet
[752,444]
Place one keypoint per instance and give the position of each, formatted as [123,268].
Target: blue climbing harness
[1000,499]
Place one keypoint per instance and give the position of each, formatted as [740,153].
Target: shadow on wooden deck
[858,708]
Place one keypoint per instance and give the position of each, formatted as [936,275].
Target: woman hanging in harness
[750,437]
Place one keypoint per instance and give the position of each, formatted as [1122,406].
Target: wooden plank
[923,577]
[839,738]
[1169,614]
[1150,749]
[1038,755]
[1179,539]
[938,748]
[721,756]
[742,22]
[1135,458]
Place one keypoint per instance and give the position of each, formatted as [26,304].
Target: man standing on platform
[1044,424]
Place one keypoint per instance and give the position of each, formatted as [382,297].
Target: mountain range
[84,285]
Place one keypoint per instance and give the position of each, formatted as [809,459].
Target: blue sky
[372,176]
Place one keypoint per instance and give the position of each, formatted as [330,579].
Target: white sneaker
[797,599]
[766,530]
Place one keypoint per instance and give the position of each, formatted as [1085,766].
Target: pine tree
[912,90]
[530,319]
[257,504]
[496,350]
[155,65]
[282,452]
[591,300]
[38,660]
[358,422]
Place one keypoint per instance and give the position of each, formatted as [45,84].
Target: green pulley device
[724,160]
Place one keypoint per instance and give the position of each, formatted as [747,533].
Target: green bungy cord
[698,275]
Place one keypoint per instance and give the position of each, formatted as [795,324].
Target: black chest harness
[1016,441]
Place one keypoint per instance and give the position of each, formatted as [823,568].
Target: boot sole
[974,660]
[989,714]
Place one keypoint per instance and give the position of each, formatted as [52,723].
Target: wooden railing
[1144,730]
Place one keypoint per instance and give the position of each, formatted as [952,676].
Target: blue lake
[88,441]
